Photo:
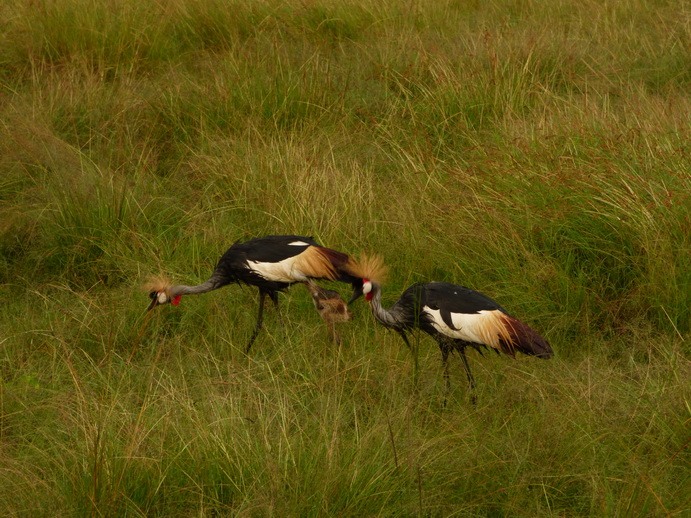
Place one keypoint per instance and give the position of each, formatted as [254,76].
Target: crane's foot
[252,338]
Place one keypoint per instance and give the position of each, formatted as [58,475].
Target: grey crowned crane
[272,264]
[456,317]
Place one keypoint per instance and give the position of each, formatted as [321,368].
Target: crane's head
[371,271]
[162,297]
[364,287]
[160,293]
[367,289]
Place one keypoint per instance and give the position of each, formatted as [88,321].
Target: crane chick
[330,306]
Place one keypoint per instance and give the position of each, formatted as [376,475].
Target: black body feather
[233,265]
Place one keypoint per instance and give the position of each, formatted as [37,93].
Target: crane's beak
[154,301]
[357,293]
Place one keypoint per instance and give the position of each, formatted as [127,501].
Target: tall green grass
[535,152]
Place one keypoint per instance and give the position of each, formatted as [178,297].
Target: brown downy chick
[331,307]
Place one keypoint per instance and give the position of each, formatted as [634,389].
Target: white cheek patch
[162,297]
[366,288]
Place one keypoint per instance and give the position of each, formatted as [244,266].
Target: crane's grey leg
[260,318]
[471,380]
[273,295]
[445,346]
[445,350]
[405,338]
[414,352]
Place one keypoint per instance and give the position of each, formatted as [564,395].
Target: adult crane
[272,264]
[456,317]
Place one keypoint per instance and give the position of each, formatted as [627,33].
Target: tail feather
[318,262]
[521,337]
[343,267]
[314,264]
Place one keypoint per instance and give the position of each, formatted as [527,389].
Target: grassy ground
[538,152]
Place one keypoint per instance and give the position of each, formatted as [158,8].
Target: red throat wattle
[368,296]
[176,300]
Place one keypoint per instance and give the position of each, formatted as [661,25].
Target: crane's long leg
[273,295]
[471,381]
[414,352]
[405,338]
[445,350]
[260,318]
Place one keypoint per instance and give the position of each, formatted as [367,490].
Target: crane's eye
[366,286]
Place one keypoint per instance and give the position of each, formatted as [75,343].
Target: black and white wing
[465,314]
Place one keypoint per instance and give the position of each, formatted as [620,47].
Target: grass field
[539,152]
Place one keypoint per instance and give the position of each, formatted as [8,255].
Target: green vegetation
[535,151]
